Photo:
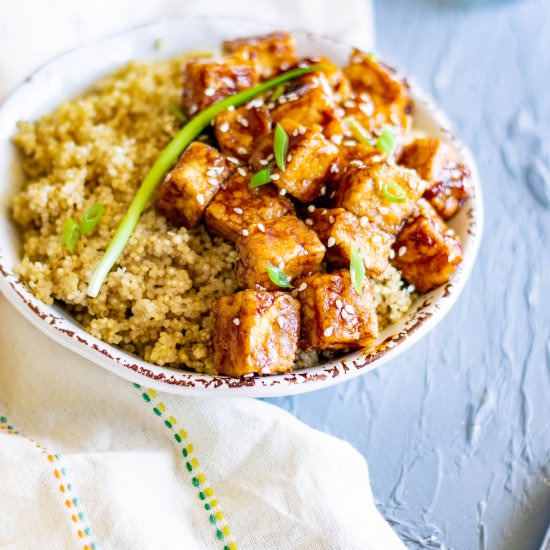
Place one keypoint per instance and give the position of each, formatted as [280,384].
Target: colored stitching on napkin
[60,473]
[206,494]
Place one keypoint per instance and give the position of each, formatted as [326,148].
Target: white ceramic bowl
[70,74]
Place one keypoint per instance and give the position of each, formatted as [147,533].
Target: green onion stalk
[166,159]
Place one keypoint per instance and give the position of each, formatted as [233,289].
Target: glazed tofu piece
[426,250]
[186,191]
[449,181]
[207,81]
[381,99]
[334,316]
[237,206]
[365,189]
[340,230]
[308,100]
[270,54]
[334,75]
[237,130]
[287,243]
[255,332]
[309,158]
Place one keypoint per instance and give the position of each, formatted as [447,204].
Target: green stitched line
[185,452]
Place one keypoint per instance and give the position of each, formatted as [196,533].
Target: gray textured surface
[457,430]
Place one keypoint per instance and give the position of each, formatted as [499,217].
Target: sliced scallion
[278,276]
[277,93]
[166,159]
[71,235]
[280,146]
[261,177]
[394,192]
[91,218]
[386,141]
[177,112]
[358,132]
[356,270]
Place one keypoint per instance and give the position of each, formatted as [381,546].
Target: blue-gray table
[456,431]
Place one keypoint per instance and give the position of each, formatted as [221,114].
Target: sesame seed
[270,156]
[331,219]
[332,195]
[265,370]
[209,92]
[212,181]
[271,105]
[377,158]
[340,112]
[349,309]
[242,121]
[264,162]
[356,162]
[236,321]
[200,198]
[224,126]
[302,130]
[284,66]
[261,227]
[231,108]
[311,208]
[193,109]
[238,210]
[349,104]
[234,160]
[402,250]
[367,108]
[295,132]
[302,287]
[242,150]
[309,221]
[331,242]
[275,177]
[289,157]
[241,170]
[323,191]
[411,288]
[392,254]
[282,192]
[281,321]
[339,304]
[244,232]
[282,100]
[328,331]
[334,169]
[248,375]
[350,142]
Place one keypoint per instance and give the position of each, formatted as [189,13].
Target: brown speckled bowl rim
[430,309]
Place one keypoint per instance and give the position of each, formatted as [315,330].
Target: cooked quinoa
[156,303]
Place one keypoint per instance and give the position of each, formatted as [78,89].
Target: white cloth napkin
[88,460]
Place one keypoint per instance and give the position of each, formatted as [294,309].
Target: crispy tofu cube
[426,250]
[308,99]
[309,158]
[255,332]
[381,98]
[236,207]
[207,81]
[286,242]
[365,190]
[334,316]
[339,230]
[434,161]
[237,130]
[190,186]
[270,54]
